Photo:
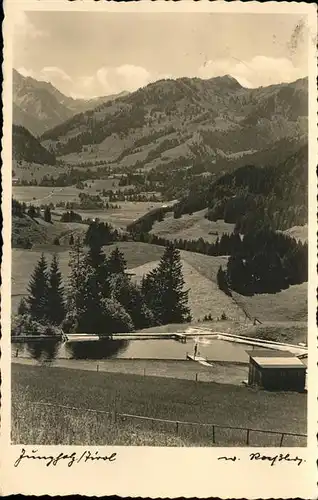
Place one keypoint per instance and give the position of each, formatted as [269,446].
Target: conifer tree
[129,295]
[163,289]
[38,291]
[95,255]
[78,279]
[56,305]
[116,262]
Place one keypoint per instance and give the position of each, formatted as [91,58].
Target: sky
[89,54]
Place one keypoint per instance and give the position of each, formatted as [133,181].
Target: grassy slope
[40,232]
[288,305]
[204,295]
[286,331]
[30,171]
[220,372]
[191,227]
[172,399]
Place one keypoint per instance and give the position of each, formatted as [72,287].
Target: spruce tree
[163,289]
[38,291]
[56,305]
[78,279]
[116,262]
[95,255]
[129,295]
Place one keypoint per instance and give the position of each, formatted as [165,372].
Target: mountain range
[176,122]
[39,106]
[210,125]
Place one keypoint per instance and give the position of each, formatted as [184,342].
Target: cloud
[114,79]
[27,72]
[57,76]
[259,71]
[106,80]
[53,72]
[24,28]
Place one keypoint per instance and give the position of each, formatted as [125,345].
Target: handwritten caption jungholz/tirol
[272,459]
[70,459]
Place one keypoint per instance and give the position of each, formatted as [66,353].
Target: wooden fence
[177,425]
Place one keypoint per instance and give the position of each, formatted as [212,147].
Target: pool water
[213,350]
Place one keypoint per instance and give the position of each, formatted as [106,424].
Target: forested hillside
[250,197]
[26,147]
[187,124]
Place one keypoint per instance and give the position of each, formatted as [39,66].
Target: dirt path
[54,191]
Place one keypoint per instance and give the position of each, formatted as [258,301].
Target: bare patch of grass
[287,305]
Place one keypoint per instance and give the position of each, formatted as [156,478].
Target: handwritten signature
[71,459]
[274,459]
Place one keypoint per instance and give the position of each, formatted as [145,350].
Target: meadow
[173,399]
[287,305]
[222,372]
[31,171]
[127,212]
[38,195]
[191,227]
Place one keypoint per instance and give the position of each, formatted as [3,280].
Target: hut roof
[275,359]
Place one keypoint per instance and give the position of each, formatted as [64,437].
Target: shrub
[25,325]
[116,317]
[70,322]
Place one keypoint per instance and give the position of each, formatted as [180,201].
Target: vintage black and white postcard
[158,302]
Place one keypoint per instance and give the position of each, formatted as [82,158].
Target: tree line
[261,261]
[100,295]
[252,197]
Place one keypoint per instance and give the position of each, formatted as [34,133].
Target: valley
[195,146]
[159,272]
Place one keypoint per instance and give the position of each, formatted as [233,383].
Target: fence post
[196,377]
[114,410]
[144,372]
[248,437]
[177,428]
[281,439]
[213,434]
[97,367]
